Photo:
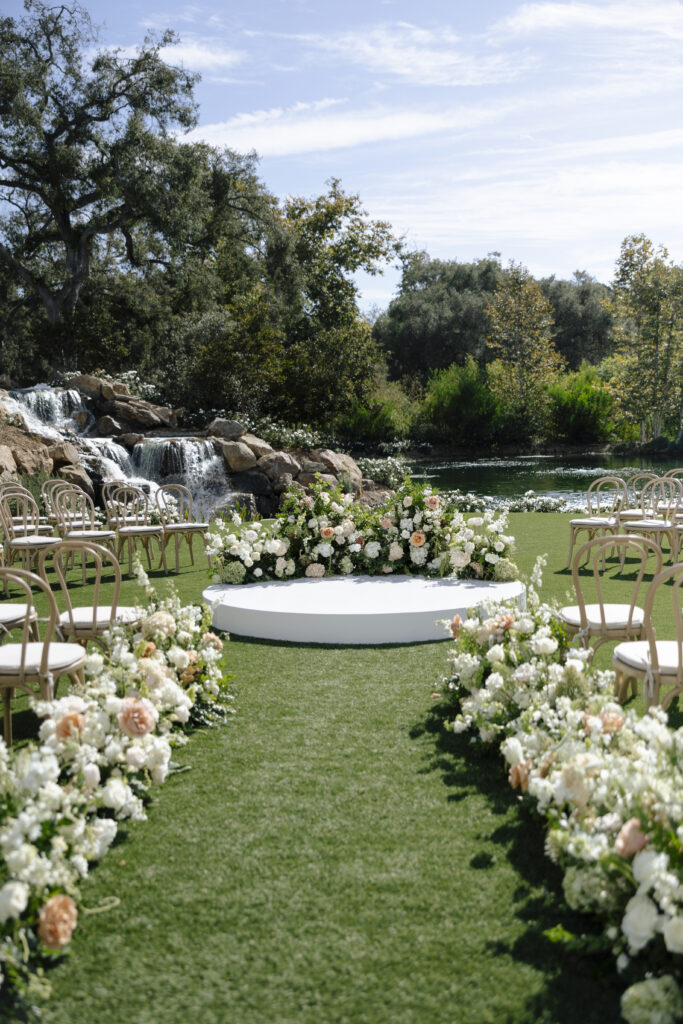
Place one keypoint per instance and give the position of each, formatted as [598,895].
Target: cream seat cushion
[616,616]
[61,657]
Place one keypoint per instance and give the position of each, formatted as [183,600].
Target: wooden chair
[75,511]
[661,501]
[20,519]
[598,621]
[603,499]
[10,489]
[33,662]
[175,505]
[657,662]
[634,493]
[48,491]
[130,513]
[87,622]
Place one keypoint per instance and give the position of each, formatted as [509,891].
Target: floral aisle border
[100,752]
[324,533]
[608,782]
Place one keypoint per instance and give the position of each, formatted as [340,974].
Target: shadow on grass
[579,988]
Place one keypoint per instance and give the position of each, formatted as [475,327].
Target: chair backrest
[128,506]
[674,472]
[49,490]
[662,497]
[634,487]
[605,495]
[674,573]
[98,557]
[26,582]
[73,506]
[646,554]
[175,502]
[19,513]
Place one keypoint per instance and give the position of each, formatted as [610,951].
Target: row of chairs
[31,662]
[595,620]
[646,505]
[71,512]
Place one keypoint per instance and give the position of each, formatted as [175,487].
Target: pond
[561,477]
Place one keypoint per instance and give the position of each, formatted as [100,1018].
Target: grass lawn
[334,856]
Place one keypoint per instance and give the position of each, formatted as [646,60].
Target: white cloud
[421,56]
[194,54]
[656,18]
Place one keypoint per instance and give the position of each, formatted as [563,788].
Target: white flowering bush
[100,751]
[389,471]
[324,533]
[608,782]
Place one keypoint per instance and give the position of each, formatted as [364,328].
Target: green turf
[334,856]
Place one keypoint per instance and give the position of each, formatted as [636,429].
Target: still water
[544,474]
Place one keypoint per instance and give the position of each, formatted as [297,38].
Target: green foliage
[460,407]
[583,323]
[387,414]
[581,408]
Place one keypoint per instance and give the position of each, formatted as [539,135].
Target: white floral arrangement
[324,533]
[608,782]
[100,751]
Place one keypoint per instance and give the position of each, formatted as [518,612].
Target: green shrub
[458,406]
[581,408]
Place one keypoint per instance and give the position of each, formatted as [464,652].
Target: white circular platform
[352,609]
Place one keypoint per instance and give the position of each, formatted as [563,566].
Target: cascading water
[44,407]
[189,461]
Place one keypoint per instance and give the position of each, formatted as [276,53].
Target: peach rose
[612,721]
[327,532]
[519,775]
[136,717]
[145,648]
[70,725]
[213,640]
[189,674]
[57,921]
[417,539]
[505,622]
[432,501]
[631,839]
[456,626]
[385,523]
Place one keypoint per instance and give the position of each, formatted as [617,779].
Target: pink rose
[612,721]
[327,532]
[631,839]
[385,523]
[432,501]
[136,717]
[70,725]
[57,921]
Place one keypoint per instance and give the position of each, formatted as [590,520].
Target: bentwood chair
[91,621]
[633,508]
[75,511]
[594,619]
[175,506]
[130,516]
[603,499]
[20,520]
[11,489]
[659,663]
[33,663]
[661,501]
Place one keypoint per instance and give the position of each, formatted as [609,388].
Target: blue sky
[546,131]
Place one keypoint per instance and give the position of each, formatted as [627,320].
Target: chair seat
[650,524]
[186,527]
[631,513]
[83,616]
[635,654]
[131,531]
[42,527]
[10,612]
[590,521]
[616,616]
[90,534]
[33,542]
[61,658]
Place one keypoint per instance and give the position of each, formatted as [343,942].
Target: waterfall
[189,461]
[46,410]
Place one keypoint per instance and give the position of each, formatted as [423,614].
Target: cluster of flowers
[324,533]
[532,502]
[100,750]
[608,781]
[389,471]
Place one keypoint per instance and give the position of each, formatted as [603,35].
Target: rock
[30,452]
[266,505]
[374,498]
[8,466]
[277,463]
[237,456]
[317,478]
[130,440]
[81,418]
[87,385]
[368,485]
[62,452]
[241,501]
[136,413]
[107,425]
[310,466]
[343,466]
[230,430]
[77,475]
[282,483]
[252,480]
[330,460]
[257,445]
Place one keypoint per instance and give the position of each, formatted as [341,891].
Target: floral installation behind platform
[101,750]
[608,781]
[322,533]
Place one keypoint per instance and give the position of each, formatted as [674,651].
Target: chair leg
[190,538]
[7,716]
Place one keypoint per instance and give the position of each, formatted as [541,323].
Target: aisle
[324,862]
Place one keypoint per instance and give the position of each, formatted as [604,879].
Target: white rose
[178,657]
[640,922]
[182,713]
[372,549]
[13,900]
[673,934]
[91,775]
[459,559]
[512,750]
[258,572]
[496,654]
[135,756]
[115,794]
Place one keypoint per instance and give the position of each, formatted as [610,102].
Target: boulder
[136,413]
[62,452]
[8,466]
[317,478]
[252,480]
[310,466]
[130,440]
[241,501]
[29,451]
[257,445]
[374,498]
[330,460]
[236,455]
[277,463]
[230,430]
[77,475]
[107,425]
[87,385]
[110,392]
[282,483]
[343,466]
[81,418]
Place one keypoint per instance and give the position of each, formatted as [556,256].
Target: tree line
[123,246]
